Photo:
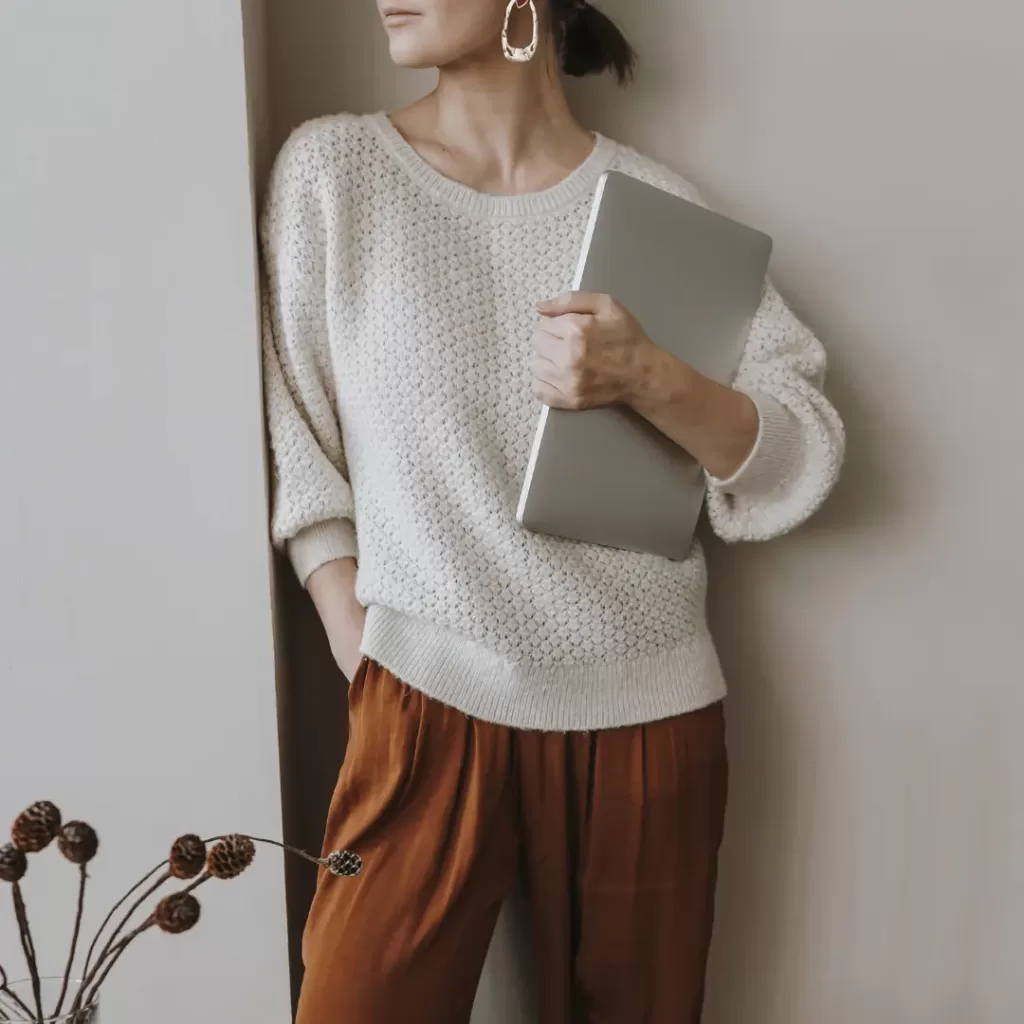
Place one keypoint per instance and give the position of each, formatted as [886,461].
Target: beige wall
[136,661]
[874,866]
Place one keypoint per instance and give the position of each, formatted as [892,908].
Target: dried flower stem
[5,989]
[114,909]
[104,967]
[204,877]
[94,974]
[15,1010]
[28,947]
[86,972]
[109,944]
[82,877]
[113,949]
[319,861]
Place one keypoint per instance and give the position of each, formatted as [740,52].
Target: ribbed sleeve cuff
[774,456]
[321,543]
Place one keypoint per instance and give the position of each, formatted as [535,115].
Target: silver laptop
[694,280]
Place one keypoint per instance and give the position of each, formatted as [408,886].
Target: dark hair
[589,42]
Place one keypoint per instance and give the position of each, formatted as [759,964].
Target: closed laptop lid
[694,279]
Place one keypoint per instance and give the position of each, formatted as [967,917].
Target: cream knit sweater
[399,309]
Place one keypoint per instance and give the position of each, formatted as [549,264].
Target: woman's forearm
[716,425]
[590,351]
[333,589]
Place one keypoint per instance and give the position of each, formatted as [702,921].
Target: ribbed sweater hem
[468,677]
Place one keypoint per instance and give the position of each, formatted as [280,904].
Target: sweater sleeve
[801,442]
[313,512]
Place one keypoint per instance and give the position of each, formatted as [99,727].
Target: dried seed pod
[78,842]
[36,827]
[188,857]
[177,913]
[13,863]
[229,857]
[344,863]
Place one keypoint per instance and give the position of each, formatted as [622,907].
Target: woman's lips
[397,16]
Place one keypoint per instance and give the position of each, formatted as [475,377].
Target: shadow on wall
[774,732]
[315,70]
[313,729]
[765,792]
[311,72]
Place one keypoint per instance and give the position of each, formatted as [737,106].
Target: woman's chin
[415,58]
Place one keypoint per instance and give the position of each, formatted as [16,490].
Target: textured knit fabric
[399,311]
[617,833]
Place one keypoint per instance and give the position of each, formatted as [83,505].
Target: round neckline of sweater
[577,184]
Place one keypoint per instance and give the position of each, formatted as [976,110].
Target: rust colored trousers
[616,832]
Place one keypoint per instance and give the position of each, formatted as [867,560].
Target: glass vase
[18,1003]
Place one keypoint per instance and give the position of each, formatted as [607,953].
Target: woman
[517,701]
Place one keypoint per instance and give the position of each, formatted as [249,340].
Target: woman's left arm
[771,445]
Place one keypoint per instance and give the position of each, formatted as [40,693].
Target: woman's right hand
[333,589]
[347,647]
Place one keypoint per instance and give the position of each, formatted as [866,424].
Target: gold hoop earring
[520,54]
